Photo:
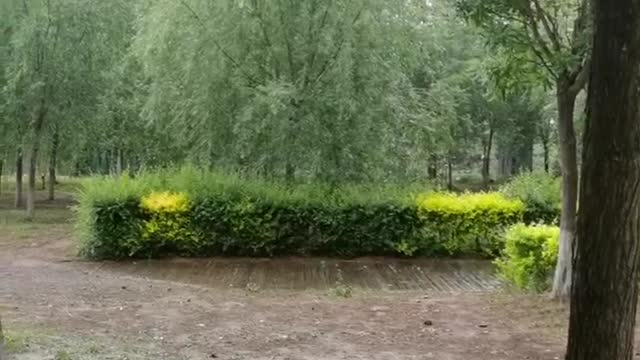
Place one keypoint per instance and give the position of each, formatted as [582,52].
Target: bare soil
[54,304]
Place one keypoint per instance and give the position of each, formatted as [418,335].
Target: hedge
[199,214]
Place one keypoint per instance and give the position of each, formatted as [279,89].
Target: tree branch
[581,78]
[533,26]
[540,54]
[233,61]
[335,55]
[314,54]
[544,18]
[287,43]
[267,40]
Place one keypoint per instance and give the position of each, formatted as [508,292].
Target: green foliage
[197,213]
[530,256]
[541,195]
[468,223]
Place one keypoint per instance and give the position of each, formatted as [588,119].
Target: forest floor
[57,306]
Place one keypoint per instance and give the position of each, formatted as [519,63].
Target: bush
[541,195]
[530,256]
[195,213]
[468,223]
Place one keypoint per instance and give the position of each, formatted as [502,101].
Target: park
[319,179]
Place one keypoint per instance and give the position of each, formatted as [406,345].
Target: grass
[20,340]
[44,343]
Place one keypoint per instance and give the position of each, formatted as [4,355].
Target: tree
[605,291]
[59,49]
[545,41]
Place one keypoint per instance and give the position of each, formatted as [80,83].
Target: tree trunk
[432,169]
[1,172]
[32,179]
[119,161]
[449,174]
[605,294]
[545,154]
[53,159]
[19,172]
[569,167]
[290,172]
[33,162]
[486,161]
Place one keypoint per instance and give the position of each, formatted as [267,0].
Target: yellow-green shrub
[167,227]
[470,223]
[529,256]
[165,202]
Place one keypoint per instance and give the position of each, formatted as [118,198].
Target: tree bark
[19,172]
[486,161]
[605,293]
[290,172]
[569,166]
[1,172]
[119,157]
[53,159]
[31,180]
[432,169]
[33,162]
[545,154]
[449,174]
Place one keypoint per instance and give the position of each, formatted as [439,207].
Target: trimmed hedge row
[158,216]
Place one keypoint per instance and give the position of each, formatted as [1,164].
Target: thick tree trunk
[486,161]
[19,172]
[605,293]
[569,167]
[53,163]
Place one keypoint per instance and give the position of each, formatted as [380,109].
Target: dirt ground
[56,306]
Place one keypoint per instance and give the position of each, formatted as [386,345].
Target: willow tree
[545,40]
[292,89]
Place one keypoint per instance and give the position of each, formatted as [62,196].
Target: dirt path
[53,303]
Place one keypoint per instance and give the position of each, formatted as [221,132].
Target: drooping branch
[338,49]
[287,42]
[312,36]
[219,46]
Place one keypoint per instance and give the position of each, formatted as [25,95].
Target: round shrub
[530,256]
